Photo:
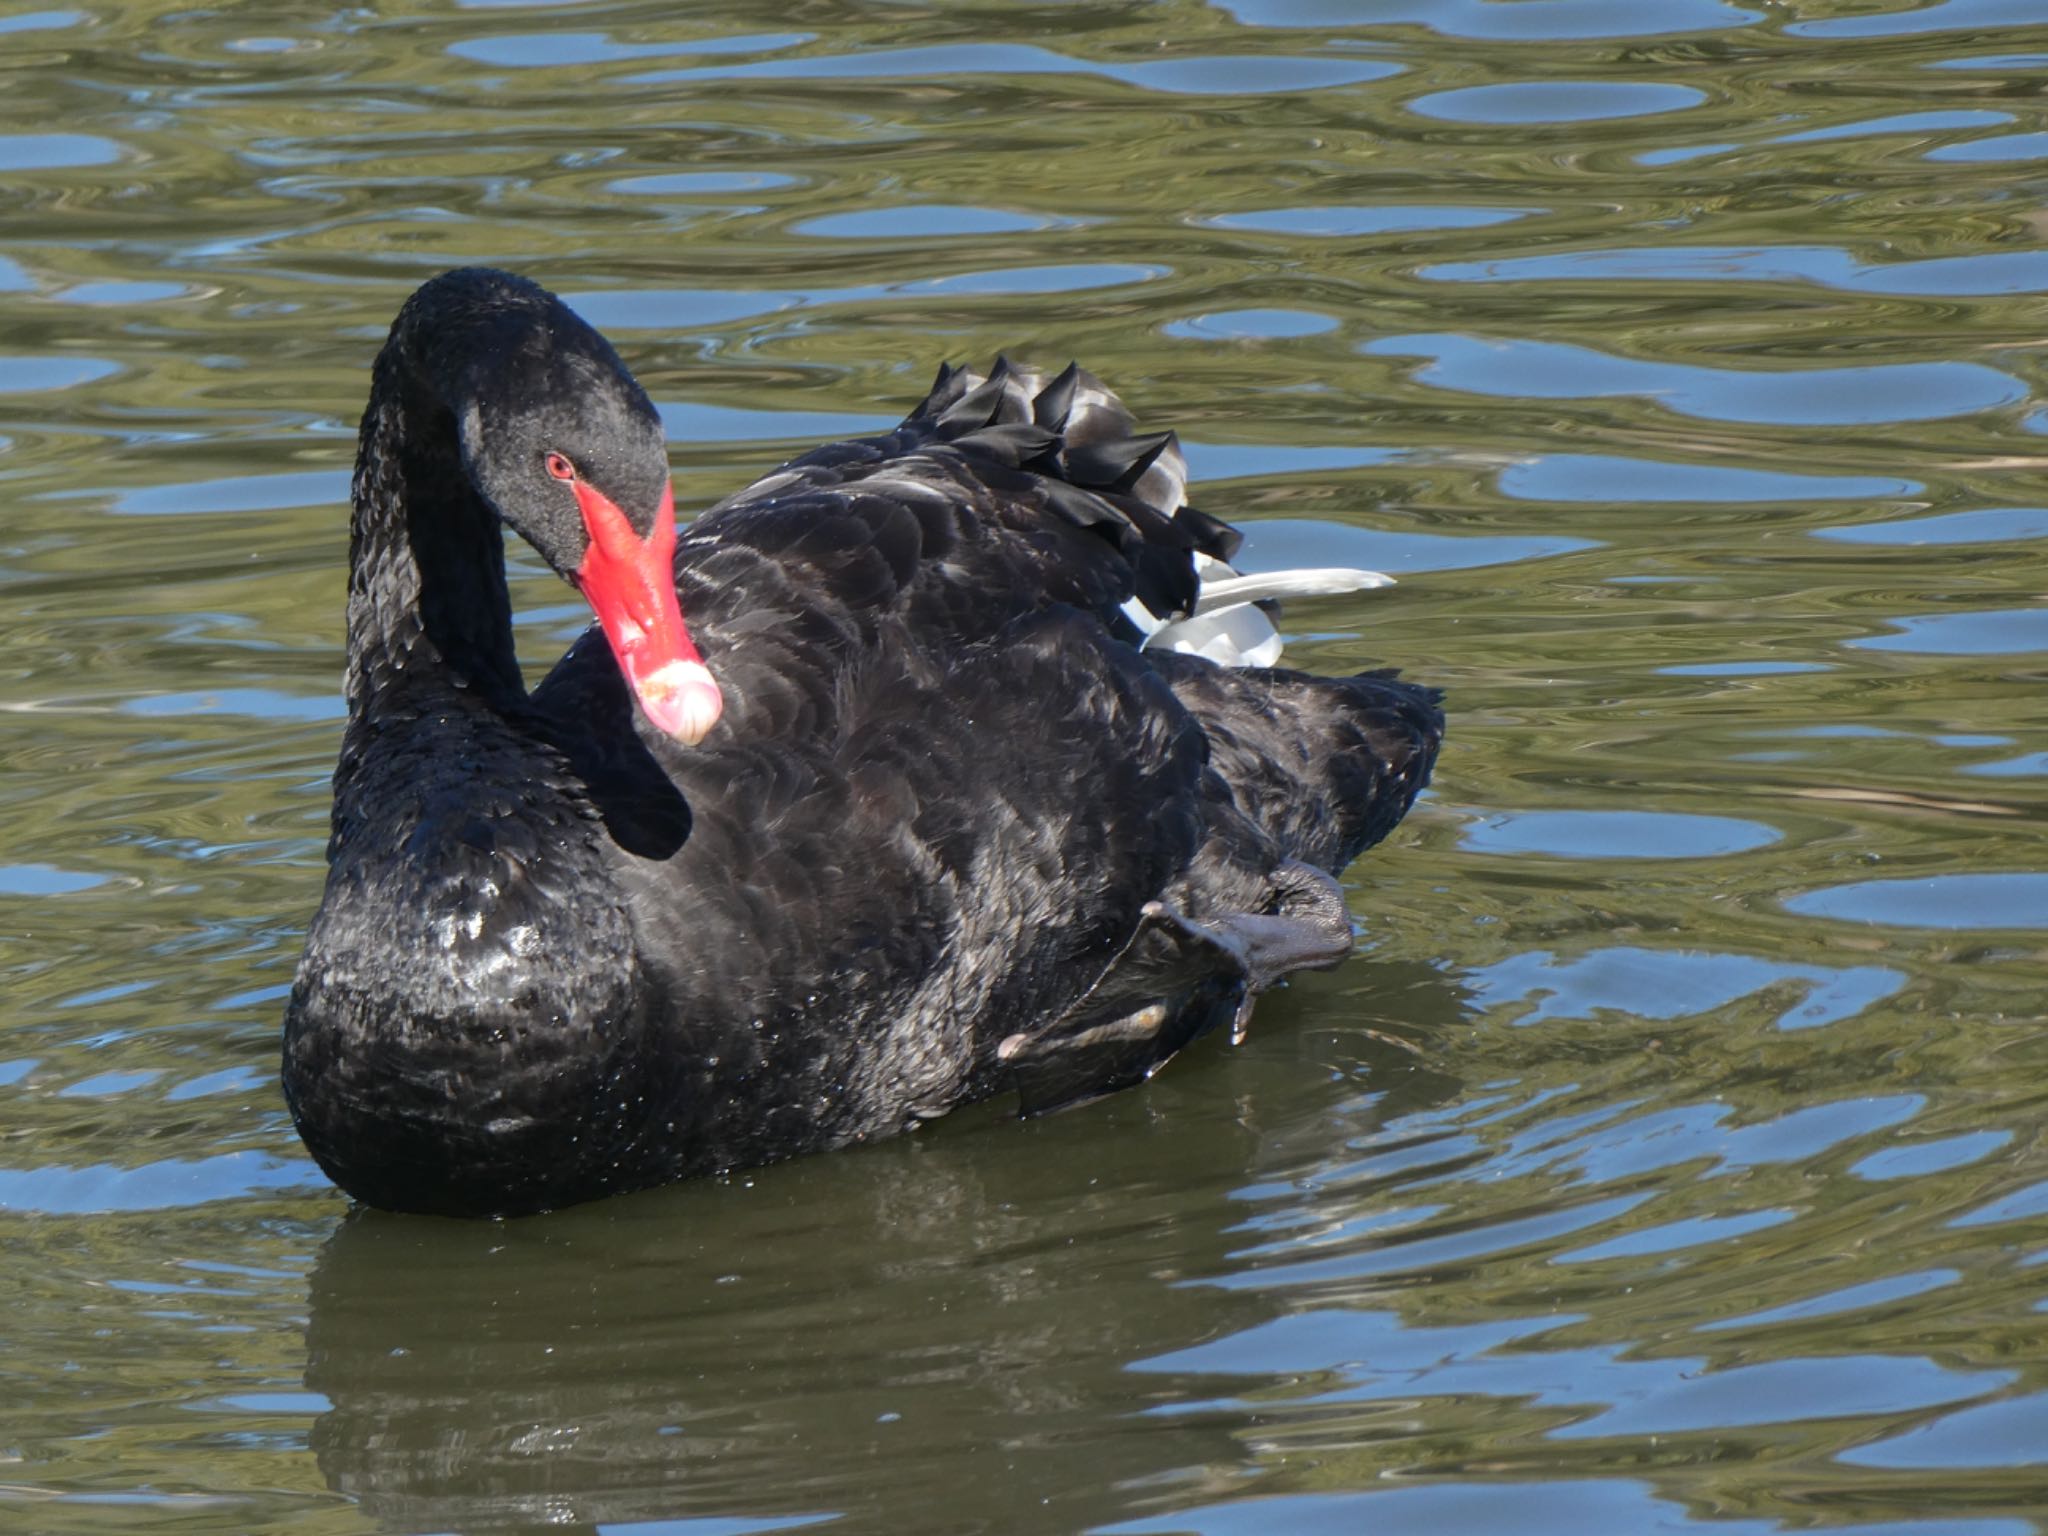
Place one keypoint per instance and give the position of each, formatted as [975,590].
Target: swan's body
[942,828]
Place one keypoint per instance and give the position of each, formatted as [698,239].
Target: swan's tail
[1083,436]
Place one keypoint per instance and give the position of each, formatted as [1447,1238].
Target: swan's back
[952,771]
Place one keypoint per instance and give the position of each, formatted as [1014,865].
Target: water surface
[1670,1155]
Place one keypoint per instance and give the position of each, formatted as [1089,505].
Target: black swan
[942,792]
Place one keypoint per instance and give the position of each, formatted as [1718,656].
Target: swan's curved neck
[427,603]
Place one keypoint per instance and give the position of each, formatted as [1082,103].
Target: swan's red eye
[560,467]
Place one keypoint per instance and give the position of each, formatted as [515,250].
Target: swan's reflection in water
[927,1335]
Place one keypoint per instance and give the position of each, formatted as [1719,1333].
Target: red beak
[630,583]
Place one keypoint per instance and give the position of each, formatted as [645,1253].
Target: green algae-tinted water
[1671,1155]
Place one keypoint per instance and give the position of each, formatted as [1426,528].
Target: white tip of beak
[682,699]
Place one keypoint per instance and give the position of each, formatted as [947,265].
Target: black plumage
[954,834]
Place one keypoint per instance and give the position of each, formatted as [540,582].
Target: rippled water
[1670,1157]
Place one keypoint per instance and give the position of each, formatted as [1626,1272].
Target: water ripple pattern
[1670,1157]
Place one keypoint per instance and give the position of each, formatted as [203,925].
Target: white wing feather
[1238,635]
[1321,581]
[1226,627]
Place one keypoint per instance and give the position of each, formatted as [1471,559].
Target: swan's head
[564,445]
